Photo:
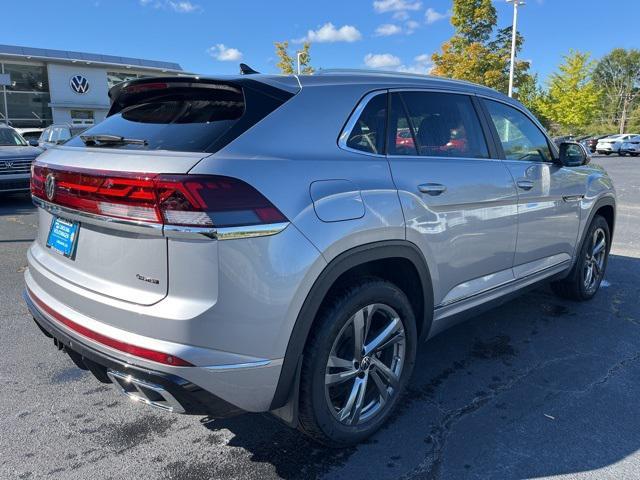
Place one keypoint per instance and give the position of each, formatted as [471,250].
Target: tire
[576,286]
[324,411]
[622,154]
[634,154]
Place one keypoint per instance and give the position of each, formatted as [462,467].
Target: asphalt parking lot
[539,387]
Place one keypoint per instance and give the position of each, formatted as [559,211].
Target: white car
[612,144]
[631,146]
[31,135]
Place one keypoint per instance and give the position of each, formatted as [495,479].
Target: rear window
[185,119]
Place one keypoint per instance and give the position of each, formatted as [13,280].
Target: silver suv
[282,244]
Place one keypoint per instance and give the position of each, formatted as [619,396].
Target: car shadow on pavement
[16,203]
[536,387]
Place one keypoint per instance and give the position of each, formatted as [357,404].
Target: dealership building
[39,86]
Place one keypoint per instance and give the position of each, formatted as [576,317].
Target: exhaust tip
[145,392]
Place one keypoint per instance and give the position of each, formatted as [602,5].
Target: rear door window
[445,125]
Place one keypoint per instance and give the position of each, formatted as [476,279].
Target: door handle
[525,184]
[432,188]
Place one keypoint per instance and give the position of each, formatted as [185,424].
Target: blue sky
[212,36]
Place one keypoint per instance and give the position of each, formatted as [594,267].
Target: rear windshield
[185,119]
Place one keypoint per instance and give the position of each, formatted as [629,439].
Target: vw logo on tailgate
[79,84]
[50,186]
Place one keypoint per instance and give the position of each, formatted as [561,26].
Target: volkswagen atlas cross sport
[274,244]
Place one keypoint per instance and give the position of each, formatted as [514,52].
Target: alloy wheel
[594,261]
[365,364]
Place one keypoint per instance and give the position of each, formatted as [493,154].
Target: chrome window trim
[160,230]
[351,122]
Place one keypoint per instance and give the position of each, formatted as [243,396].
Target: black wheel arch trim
[604,201]
[342,263]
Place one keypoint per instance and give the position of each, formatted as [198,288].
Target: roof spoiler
[131,92]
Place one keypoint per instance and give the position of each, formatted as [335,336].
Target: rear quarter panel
[295,146]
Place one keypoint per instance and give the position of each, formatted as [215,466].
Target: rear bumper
[187,397]
[246,386]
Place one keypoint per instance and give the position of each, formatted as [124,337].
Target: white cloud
[411,26]
[180,6]
[432,16]
[183,6]
[400,15]
[421,64]
[381,60]
[223,54]
[382,6]
[387,29]
[328,33]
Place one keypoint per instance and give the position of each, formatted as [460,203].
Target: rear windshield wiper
[105,139]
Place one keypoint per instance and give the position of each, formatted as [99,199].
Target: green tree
[287,63]
[476,53]
[571,102]
[532,96]
[474,19]
[618,75]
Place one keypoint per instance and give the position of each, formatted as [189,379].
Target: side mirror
[573,154]
[34,143]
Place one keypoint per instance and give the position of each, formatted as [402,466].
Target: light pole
[298,55]
[514,33]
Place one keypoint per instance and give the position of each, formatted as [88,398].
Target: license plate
[63,236]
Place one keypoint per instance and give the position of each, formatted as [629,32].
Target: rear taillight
[181,200]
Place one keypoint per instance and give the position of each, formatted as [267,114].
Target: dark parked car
[16,156]
[564,138]
[593,142]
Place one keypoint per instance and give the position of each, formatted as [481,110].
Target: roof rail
[364,71]
[390,73]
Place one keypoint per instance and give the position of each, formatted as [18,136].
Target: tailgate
[118,260]
[123,185]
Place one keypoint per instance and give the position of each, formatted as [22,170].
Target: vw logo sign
[8,164]
[79,84]
[50,186]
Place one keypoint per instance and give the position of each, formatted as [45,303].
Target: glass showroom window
[27,78]
[27,109]
[82,117]
[25,101]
